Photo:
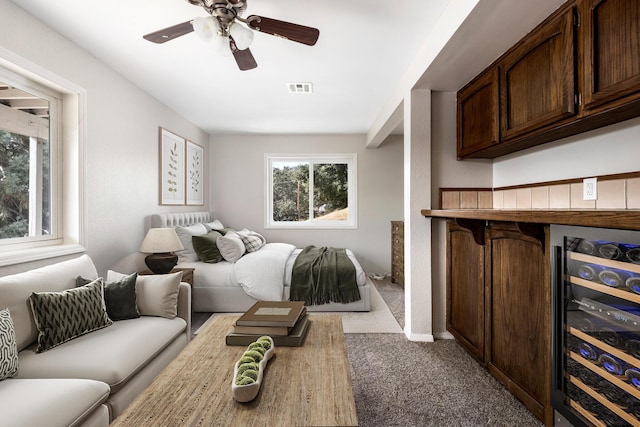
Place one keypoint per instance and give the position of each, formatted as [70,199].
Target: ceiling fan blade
[286,30]
[244,58]
[170,33]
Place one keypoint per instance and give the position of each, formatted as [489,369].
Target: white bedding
[262,274]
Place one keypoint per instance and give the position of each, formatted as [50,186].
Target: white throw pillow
[230,246]
[156,294]
[215,225]
[185,234]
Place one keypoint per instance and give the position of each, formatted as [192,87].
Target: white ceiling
[364,48]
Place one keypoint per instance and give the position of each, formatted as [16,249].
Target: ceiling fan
[224,29]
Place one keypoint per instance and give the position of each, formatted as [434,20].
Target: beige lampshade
[161,240]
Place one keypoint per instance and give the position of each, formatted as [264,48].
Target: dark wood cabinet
[611,47]
[518,311]
[499,304]
[538,78]
[397,252]
[577,71]
[477,114]
[465,287]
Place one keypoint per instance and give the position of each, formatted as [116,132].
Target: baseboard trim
[419,337]
[443,336]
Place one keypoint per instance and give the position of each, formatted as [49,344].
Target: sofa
[88,379]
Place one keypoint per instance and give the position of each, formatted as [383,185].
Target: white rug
[378,320]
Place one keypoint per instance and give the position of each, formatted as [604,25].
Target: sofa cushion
[8,349]
[157,294]
[50,402]
[63,316]
[119,297]
[16,288]
[111,355]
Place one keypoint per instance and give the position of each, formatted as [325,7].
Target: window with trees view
[25,164]
[311,191]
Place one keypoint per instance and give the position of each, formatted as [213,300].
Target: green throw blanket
[323,275]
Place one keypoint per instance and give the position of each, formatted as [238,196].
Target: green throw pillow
[120,297]
[206,247]
[63,316]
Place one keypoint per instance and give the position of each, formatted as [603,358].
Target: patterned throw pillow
[63,316]
[252,240]
[8,348]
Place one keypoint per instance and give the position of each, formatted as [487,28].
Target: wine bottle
[633,347]
[612,364]
[614,277]
[633,376]
[590,272]
[633,283]
[601,249]
[633,254]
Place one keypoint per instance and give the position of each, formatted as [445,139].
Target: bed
[226,287]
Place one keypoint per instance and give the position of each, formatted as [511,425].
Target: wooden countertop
[621,219]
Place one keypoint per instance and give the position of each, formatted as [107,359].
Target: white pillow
[252,240]
[185,234]
[215,225]
[156,294]
[230,246]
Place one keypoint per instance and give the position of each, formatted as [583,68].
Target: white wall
[447,171]
[121,141]
[237,190]
[609,150]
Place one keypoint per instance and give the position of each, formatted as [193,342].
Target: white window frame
[351,159]
[67,134]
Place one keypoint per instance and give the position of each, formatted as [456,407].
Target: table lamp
[160,244]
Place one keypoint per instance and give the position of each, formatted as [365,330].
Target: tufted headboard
[183,219]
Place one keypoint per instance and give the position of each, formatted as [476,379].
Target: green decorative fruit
[246,366]
[246,359]
[255,355]
[257,347]
[251,373]
[265,342]
[244,380]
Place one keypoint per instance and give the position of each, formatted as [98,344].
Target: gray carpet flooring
[397,382]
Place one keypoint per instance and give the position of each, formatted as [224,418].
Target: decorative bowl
[248,392]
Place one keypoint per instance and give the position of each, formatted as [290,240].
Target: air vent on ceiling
[300,87]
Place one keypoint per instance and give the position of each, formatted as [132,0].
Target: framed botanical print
[172,164]
[194,178]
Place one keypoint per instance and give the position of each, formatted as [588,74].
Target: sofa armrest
[184,305]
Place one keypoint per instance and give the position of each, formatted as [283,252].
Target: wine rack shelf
[577,256]
[606,348]
[604,401]
[588,415]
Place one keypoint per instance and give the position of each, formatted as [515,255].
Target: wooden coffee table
[302,386]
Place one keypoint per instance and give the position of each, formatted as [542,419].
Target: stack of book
[286,322]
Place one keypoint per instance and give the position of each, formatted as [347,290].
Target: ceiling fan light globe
[220,45]
[204,28]
[242,35]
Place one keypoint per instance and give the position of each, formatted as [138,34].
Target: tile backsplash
[613,194]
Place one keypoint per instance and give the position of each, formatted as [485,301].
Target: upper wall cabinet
[577,71]
[611,42]
[478,113]
[537,79]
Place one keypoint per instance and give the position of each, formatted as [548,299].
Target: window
[39,151]
[311,191]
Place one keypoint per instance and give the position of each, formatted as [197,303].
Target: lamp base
[161,263]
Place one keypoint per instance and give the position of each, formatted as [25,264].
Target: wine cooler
[596,326]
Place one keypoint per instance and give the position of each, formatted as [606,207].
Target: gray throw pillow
[8,347]
[206,247]
[119,297]
[63,316]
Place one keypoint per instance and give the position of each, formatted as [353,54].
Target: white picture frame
[194,174]
[172,172]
